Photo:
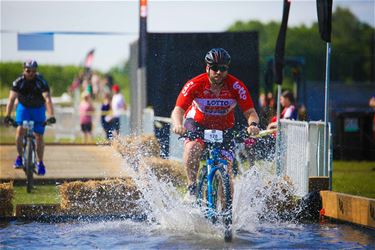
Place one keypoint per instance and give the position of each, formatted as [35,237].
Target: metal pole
[278,137]
[327,161]
[141,71]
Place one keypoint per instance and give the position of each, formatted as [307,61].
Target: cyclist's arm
[252,119]
[177,119]
[12,98]
[49,105]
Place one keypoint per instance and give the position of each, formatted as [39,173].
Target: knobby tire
[223,200]
[221,193]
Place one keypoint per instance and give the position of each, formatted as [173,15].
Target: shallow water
[142,235]
[173,223]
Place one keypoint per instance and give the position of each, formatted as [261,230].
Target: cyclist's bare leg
[230,172]
[192,154]
[19,136]
[39,146]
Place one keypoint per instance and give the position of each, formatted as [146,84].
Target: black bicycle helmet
[32,64]
[217,56]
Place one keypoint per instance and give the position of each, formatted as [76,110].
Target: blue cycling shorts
[38,115]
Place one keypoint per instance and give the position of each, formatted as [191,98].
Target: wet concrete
[67,162]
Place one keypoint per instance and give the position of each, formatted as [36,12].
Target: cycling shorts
[86,127]
[38,115]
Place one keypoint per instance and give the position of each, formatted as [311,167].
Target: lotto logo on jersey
[214,102]
[186,88]
[240,89]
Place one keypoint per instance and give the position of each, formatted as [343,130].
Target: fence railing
[294,153]
[302,152]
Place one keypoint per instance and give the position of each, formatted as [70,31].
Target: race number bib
[213,135]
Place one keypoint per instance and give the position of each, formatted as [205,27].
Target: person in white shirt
[118,106]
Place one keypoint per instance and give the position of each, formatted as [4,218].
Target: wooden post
[350,208]
[318,183]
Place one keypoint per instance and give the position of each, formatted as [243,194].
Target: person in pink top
[86,111]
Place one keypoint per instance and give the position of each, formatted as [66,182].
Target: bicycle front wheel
[222,199]
[202,187]
[29,164]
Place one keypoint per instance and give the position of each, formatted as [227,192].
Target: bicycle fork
[212,167]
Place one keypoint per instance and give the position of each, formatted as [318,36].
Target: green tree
[58,77]
[352,47]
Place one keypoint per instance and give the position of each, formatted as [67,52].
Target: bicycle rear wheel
[222,199]
[29,164]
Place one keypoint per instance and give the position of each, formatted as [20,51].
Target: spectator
[372,105]
[267,109]
[118,106]
[95,84]
[86,110]
[289,109]
[105,115]
[108,81]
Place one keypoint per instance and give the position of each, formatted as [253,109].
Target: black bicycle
[29,151]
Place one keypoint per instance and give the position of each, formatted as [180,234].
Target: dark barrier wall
[350,115]
[174,58]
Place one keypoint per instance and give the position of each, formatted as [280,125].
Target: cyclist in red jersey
[209,99]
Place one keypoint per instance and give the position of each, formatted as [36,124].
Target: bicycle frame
[29,155]
[29,149]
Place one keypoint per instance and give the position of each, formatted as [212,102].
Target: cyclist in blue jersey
[33,94]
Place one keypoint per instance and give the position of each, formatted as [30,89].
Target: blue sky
[122,17]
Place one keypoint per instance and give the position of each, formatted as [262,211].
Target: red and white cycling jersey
[210,110]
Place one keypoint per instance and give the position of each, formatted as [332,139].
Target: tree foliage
[58,77]
[352,47]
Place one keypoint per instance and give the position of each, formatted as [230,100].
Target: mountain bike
[29,151]
[214,192]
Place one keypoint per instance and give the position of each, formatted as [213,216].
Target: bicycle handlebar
[9,121]
[49,121]
[238,136]
[13,123]
[228,135]
[264,133]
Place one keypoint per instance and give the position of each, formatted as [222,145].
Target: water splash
[254,191]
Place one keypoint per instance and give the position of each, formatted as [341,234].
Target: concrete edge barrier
[53,181]
[349,208]
[53,213]
[104,143]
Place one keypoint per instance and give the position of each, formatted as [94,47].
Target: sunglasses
[30,71]
[222,68]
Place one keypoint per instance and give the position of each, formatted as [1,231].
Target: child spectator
[86,111]
[105,115]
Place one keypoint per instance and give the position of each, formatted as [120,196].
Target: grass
[356,178]
[42,194]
